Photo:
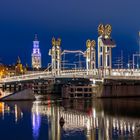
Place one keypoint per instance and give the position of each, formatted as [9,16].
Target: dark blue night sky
[73,20]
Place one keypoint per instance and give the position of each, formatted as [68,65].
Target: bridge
[57,70]
[93,74]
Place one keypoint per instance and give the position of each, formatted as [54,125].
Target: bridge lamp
[94,113]
[115,73]
[128,65]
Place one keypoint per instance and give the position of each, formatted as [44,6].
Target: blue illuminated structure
[36,54]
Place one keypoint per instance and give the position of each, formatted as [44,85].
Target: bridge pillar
[52,52]
[15,87]
[19,87]
[10,88]
[58,56]
[105,45]
[3,87]
[90,56]
[55,53]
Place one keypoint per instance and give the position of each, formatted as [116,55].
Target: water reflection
[36,122]
[97,119]
[12,108]
[84,119]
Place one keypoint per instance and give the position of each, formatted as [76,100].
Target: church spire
[18,60]
[36,54]
[36,37]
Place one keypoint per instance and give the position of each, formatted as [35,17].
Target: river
[97,119]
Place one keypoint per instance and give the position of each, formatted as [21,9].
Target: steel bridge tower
[55,53]
[90,56]
[105,45]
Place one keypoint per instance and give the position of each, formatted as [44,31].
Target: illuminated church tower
[36,54]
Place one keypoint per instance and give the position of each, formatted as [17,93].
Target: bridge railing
[26,77]
[82,73]
[48,74]
[125,72]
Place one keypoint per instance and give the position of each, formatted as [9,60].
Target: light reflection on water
[84,119]
[36,122]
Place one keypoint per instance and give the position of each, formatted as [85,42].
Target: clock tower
[36,54]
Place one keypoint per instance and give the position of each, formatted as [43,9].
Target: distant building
[36,54]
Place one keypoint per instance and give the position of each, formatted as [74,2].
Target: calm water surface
[104,119]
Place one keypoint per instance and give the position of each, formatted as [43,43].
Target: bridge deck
[92,74]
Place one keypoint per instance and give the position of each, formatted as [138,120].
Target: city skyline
[73,21]
[69,69]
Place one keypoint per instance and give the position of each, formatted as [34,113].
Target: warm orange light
[1,107]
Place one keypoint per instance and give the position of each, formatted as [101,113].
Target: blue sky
[73,20]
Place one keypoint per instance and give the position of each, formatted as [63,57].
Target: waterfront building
[36,54]
[19,69]
[3,71]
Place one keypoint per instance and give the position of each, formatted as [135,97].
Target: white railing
[80,73]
